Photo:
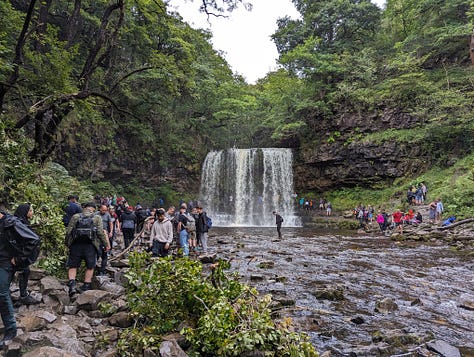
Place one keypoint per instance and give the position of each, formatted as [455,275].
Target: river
[431,285]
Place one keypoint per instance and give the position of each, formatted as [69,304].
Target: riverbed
[358,295]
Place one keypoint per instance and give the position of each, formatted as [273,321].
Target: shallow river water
[432,286]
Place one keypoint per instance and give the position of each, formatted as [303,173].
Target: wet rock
[443,348]
[281,279]
[50,284]
[89,300]
[329,293]
[49,352]
[285,301]
[266,265]
[255,277]
[468,305]
[171,349]
[221,241]
[385,306]
[415,302]
[208,258]
[121,319]
[358,320]
[61,297]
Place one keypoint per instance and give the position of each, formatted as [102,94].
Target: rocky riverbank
[358,294]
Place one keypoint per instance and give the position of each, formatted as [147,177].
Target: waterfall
[242,187]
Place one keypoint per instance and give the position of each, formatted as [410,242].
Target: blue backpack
[208,222]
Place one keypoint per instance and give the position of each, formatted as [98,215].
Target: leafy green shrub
[223,316]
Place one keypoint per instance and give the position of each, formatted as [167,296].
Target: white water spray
[242,187]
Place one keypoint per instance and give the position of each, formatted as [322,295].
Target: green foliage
[225,317]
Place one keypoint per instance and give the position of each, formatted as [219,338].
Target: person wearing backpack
[18,243]
[24,212]
[128,223]
[71,209]
[84,236]
[182,231]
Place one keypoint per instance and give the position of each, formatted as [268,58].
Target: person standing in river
[279,221]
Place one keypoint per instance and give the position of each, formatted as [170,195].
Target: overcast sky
[244,37]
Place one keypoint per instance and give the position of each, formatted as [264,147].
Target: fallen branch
[129,248]
[452,225]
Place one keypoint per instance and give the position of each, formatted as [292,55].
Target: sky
[244,36]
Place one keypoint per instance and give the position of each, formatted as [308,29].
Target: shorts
[80,252]
[398,223]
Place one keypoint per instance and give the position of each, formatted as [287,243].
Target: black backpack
[24,243]
[85,228]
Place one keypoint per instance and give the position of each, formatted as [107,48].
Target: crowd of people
[417,197]
[158,229]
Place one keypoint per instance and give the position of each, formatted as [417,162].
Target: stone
[385,306]
[208,258]
[32,322]
[443,348]
[171,349]
[46,315]
[149,353]
[266,265]
[255,277]
[122,263]
[90,299]
[50,284]
[121,319]
[113,288]
[13,349]
[329,293]
[468,305]
[47,351]
[70,309]
[120,278]
[180,339]
[358,320]
[36,273]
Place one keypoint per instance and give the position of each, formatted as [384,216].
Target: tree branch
[18,59]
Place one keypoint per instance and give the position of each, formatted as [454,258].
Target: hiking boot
[72,287]
[85,287]
[28,300]
[9,335]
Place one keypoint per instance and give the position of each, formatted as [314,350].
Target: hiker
[13,232]
[128,222]
[84,236]
[278,221]
[24,212]
[183,233]
[202,228]
[439,210]
[432,211]
[141,215]
[398,221]
[161,235]
[71,209]
[328,209]
[107,225]
[381,220]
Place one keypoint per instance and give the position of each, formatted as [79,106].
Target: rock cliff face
[339,158]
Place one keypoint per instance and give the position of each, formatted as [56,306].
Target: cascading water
[242,187]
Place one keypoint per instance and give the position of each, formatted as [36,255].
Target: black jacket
[17,241]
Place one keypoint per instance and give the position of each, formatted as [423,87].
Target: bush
[223,316]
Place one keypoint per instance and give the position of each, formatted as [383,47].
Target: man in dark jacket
[201,228]
[71,209]
[84,248]
[12,230]
[279,221]
[128,222]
